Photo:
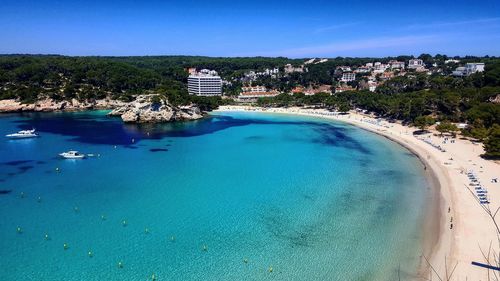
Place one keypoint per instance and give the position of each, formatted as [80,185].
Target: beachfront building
[348,77]
[205,83]
[298,89]
[191,70]
[251,95]
[344,68]
[290,69]
[459,71]
[253,89]
[475,67]
[343,88]
[362,69]
[416,64]
[387,75]
[271,71]
[380,67]
[370,85]
[468,69]
[318,89]
[394,64]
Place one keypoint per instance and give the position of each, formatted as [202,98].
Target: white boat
[72,154]
[23,134]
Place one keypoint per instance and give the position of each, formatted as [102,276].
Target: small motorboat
[24,134]
[72,154]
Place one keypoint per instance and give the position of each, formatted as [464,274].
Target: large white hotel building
[205,83]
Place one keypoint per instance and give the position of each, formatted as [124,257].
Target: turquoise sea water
[238,192]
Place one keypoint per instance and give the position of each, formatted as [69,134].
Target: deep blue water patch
[17,162]
[87,128]
[254,138]
[158,149]
[24,169]
[336,136]
[5,191]
[131,146]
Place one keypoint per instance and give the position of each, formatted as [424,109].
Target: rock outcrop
[152,109]
[495,99]
[46,105]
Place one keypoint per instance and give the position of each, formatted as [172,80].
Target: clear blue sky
[249,28]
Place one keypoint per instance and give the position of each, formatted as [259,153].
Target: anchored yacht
[23,134]
[72,154]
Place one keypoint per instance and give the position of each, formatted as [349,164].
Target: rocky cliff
[152,109]
[48,104]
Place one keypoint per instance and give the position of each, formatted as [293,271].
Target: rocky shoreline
[50,105]
[144,109]
[150,109]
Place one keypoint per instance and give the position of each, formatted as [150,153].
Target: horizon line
[256,56]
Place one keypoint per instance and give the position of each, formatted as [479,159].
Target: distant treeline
[31,77]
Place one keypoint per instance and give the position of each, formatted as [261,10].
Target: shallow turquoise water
[313,199]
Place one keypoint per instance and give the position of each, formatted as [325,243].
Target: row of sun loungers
[374,122]
[437,146]
[481,192]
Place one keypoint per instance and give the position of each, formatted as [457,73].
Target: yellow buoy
[120,264]
[124,223]
[90,254]
[65,246]
[270,269]
[19,230]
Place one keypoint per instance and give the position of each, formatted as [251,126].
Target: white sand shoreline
[471,226]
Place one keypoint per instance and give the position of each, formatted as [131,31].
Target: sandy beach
[457,227]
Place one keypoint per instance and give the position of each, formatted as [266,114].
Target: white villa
[468,69]
[416,64]
[348,77]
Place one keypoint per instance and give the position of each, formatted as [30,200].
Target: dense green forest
[31,77]
[408,98]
